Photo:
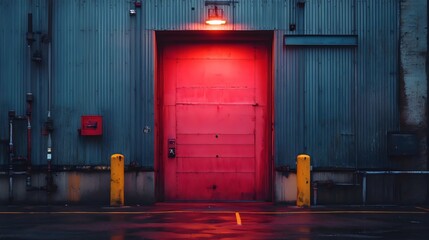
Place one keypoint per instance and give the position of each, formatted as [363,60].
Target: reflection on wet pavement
[233,221]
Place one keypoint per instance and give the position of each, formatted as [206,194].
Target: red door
[214,107]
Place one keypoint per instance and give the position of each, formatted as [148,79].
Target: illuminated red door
[215,108]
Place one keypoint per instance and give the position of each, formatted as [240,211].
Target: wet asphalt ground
[214,221]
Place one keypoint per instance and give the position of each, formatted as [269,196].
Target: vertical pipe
[315,194]
[49,142]
[49,57]
[11,155]
[233,13]
[427,97]
[355,87]
[29,96]
[30,40]
[49,180]
[364,189]
[29,68]
[49,79]
[29,161]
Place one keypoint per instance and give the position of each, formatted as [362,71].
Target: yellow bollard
[117,180]
[303,180]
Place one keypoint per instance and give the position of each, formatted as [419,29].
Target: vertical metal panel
[289,108]
[329,94]
[377,61]
[315,115]
[255,15]
[329,16]
[146,142]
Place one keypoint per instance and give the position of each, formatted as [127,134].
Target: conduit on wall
[50,186]
[29,96]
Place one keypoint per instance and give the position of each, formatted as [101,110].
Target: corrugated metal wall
[335,103]
[13,67]
[97,70]
[377,78]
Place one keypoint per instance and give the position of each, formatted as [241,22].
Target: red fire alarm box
[91,125]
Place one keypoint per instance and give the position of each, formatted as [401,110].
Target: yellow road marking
[237,216]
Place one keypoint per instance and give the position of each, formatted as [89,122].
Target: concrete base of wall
[332,188]
[79,188]
[346,188]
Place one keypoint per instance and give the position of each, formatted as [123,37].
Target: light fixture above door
[215,16]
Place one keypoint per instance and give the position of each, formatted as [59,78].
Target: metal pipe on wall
[427,95]
[29,162]
[30,40]
[29,95]
[50,186]
[49,57]
[11,154]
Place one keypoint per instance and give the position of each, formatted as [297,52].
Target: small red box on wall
[91,125]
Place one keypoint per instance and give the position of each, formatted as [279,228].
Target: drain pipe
[50,186]
[427,95]
[29,97]
[29,162]
[11,154]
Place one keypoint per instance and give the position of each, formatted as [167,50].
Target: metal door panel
[216,165]
[218,96]
[215,151]
[210,73]
[215,186]
[216,138]
[198,95]
[215,119]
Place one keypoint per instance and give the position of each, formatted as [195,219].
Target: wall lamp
[215,16]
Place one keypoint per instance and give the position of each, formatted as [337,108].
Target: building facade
[214,113]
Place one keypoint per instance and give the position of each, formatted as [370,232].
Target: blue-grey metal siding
[329,120]
[377,78]
[92,76]
[97,70]
[13,68]
[335,103]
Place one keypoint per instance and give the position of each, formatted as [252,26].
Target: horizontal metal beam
[320,40]
[219,3]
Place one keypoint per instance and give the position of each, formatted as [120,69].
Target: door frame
[163,38]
